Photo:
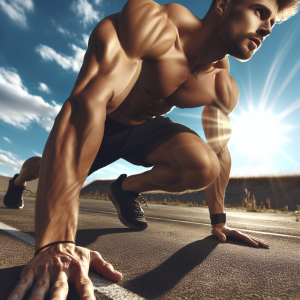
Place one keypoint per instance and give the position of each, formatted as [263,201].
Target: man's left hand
[221,231]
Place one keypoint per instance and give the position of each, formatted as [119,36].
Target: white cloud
[63,30]
[44,88]
[7,139]
[122,167]
[15,9]
[98,2]
[9,159]
[98,171]
[37,154]
[85,40]
[4,174]
[19,108]
[85,10]
[111,170]
[67,62]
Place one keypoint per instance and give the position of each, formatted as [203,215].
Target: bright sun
[257,134]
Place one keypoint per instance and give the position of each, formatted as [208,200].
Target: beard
[236,41]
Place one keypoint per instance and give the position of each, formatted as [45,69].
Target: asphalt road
[176,257]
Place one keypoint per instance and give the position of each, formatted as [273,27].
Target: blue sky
[42,44]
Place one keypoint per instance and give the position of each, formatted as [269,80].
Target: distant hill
[31,185]
[283,190]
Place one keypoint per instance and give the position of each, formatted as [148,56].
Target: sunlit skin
[239,31]
[139,64]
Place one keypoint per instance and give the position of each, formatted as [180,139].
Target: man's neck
[204,48]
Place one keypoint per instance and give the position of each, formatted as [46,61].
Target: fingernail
[13,296]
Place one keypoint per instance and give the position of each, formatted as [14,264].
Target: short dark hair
[286,8]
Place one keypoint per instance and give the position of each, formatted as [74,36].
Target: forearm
[216,191]
[216,125]
[65,165]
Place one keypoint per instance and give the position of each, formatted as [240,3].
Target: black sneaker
[127,204]
[14,195]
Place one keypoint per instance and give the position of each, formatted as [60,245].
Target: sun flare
[257,134]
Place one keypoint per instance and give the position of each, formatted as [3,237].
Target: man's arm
[217,131]
[217,128]
[110,69]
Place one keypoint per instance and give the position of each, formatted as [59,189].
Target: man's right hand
[58,265]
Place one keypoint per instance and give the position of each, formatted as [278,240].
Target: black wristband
[51,244]
[218,218]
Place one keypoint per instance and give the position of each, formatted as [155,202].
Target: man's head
[243,24]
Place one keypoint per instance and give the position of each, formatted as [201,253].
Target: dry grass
[96,196]
[296,175]
[248,203]
[177,202]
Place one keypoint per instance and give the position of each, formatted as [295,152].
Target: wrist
[218,219]
[218,225]
[52,244]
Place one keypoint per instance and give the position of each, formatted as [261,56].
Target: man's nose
[265,30]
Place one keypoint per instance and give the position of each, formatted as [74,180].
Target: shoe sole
[116,204]
[13,207]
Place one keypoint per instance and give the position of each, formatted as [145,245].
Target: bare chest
[172,81]
[164,84]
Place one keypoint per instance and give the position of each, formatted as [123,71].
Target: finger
[84,285]
[238,235]
[42,285]
[22,286]
[260,242]
[99,265]
[60,286]
[221,236]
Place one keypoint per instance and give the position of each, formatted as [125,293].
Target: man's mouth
[255,42]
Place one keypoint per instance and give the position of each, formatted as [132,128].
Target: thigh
[184,150]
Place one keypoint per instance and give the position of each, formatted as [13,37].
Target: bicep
[227,92]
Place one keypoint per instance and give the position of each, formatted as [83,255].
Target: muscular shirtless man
[139,64]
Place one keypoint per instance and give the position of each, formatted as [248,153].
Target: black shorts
[134,143]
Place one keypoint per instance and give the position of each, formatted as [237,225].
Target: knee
[32,166]
[204,172]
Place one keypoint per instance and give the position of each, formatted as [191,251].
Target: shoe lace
[140,199]
[29,191]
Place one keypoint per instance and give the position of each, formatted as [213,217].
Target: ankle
[124,185]
[17,182]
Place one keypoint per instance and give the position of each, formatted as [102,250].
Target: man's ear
[221,7]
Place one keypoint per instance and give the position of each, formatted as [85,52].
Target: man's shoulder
[180,16]
[145,30]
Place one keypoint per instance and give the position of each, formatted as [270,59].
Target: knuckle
[24,281]
[96,254]
[60,285]
[108,265]
[85,281]
[42,283]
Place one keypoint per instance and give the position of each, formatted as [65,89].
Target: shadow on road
[163,278]
[85,237]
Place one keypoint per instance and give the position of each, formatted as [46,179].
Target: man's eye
[260,11]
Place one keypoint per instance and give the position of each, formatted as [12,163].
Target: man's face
[245,26]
